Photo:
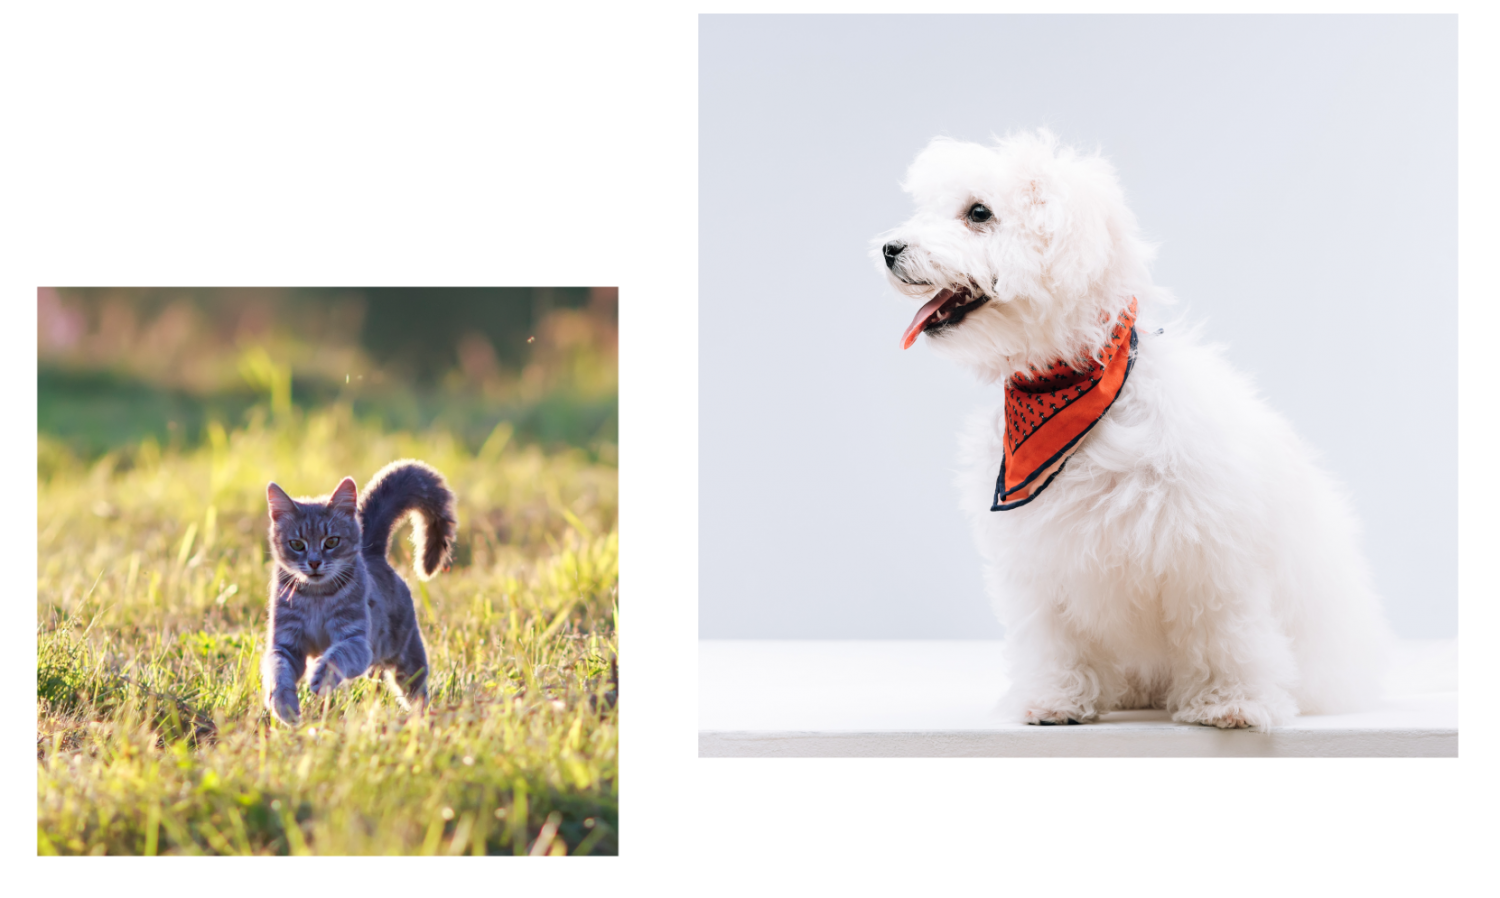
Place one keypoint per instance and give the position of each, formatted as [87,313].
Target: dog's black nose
[892,250]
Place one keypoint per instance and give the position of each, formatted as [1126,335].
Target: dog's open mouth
[944,310]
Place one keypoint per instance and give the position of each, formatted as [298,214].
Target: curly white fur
[1192,555]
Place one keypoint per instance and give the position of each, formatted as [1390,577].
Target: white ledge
[936,699]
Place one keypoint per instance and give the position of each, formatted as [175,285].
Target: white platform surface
[766,698]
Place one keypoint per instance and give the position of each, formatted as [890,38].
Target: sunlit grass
[152,574]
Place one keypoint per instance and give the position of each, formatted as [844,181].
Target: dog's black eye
[978,212]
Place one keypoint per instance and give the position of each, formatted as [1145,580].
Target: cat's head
[315,540]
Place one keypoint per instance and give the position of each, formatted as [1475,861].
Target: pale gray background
[1299,172]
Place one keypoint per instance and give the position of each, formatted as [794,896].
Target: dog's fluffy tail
[402,488]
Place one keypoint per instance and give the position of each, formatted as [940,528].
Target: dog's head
[1021,253]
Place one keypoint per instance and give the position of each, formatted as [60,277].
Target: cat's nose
[892,250]
[314,564]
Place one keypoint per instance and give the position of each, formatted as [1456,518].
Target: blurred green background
[118,366]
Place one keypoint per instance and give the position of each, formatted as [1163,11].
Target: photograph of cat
[335,599]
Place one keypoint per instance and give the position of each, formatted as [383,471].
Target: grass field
[151,591]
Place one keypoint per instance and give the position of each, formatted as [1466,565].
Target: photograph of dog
[1159,537]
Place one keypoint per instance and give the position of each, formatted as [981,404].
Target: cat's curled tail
[409,487]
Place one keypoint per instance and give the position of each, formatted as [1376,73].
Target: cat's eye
[296,544]
[331,542]
[979,212]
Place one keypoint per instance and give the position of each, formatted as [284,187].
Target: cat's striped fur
[336,603]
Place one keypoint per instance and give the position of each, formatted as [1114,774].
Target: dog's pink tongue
[924,313]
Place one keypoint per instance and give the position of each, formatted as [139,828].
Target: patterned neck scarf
[1047,414]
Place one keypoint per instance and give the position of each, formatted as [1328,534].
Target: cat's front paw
[283,704]
[325,677]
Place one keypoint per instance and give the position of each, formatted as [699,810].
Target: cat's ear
[280,503]
[345,498]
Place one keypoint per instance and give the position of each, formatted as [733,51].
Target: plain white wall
[1299,172]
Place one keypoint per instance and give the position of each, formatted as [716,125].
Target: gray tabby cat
[335,599]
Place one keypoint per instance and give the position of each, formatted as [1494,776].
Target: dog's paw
[1234,714]
[1229,718]
[1047,717]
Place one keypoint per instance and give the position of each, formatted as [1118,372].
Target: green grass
[152,573]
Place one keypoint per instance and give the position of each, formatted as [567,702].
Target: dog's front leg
[1053,679]
[1230,664]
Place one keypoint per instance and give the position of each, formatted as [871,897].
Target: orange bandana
[1048,412]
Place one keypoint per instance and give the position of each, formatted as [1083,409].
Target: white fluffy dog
[1188,554]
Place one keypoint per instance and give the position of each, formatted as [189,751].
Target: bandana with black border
[1047,414]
